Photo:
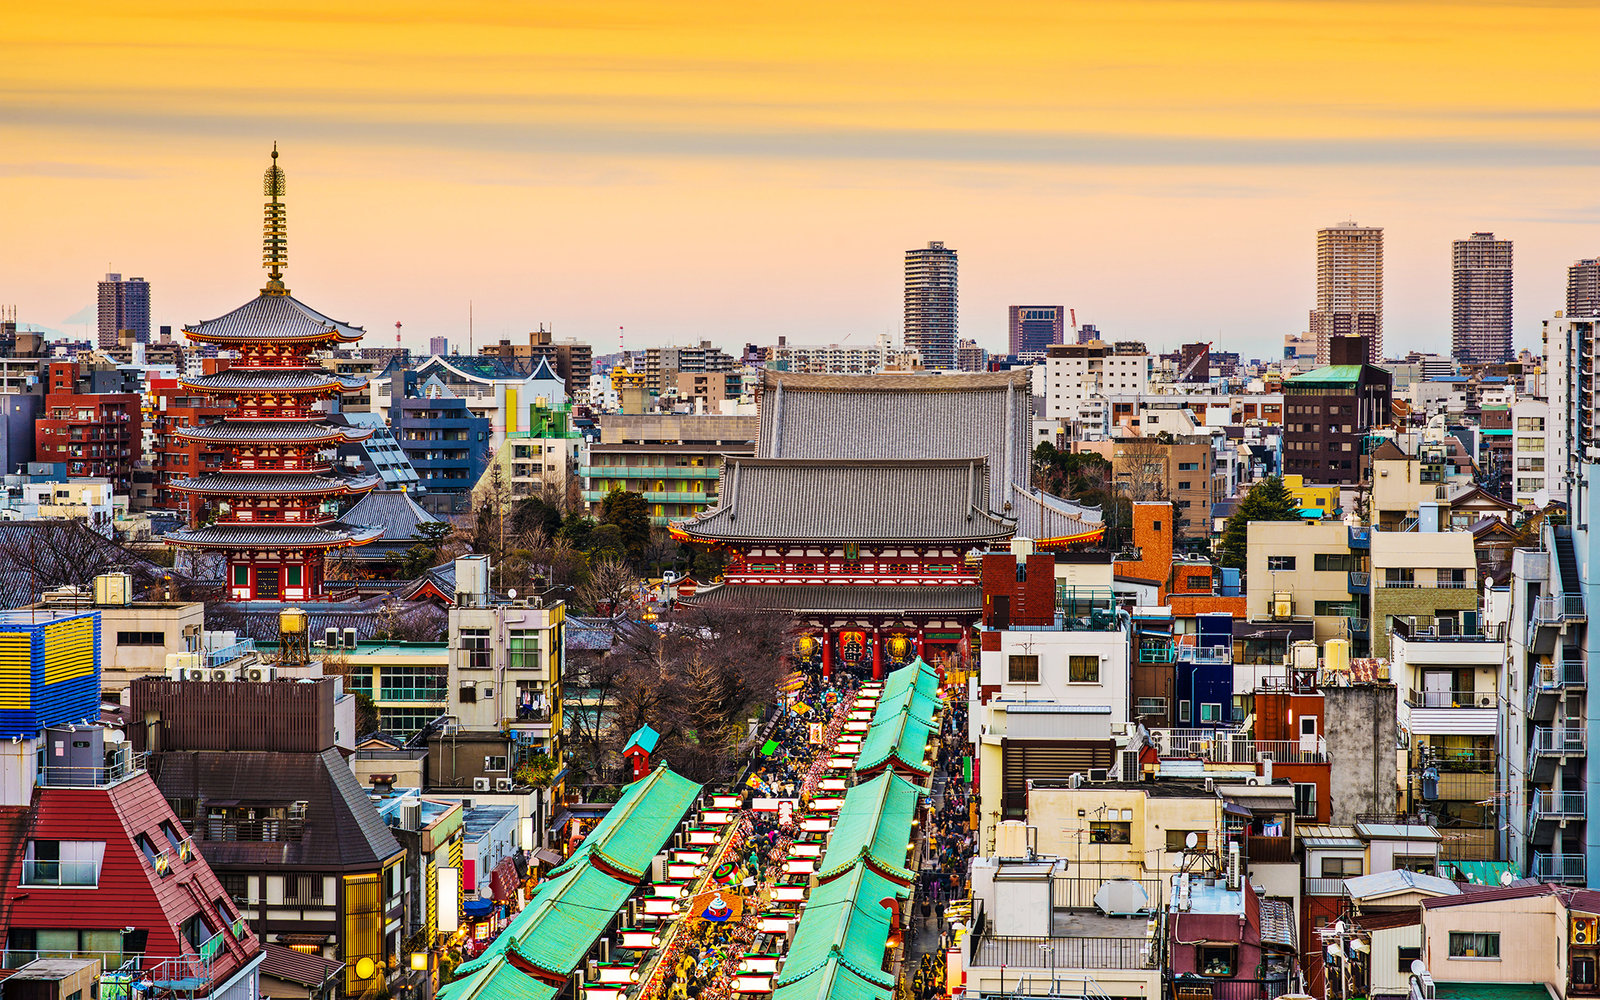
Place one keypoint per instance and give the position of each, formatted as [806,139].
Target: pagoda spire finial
[275,229]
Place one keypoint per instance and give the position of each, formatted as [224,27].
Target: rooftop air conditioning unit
[480,784]
[331,638]
[260,672]
[222,674]
[349,638]
[502,784]
[1099,774]
[1282,604]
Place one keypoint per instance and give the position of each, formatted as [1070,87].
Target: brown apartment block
[1329,412]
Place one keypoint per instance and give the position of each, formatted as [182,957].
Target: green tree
[629,512]
[536,513]
[576,529]
[1267,500]
[605,542]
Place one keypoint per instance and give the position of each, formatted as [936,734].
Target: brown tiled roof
[297,967]
[342,829]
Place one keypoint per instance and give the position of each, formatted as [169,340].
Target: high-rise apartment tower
[1480,313]
[124,305]
[1583,288]
[930,321]
[1349,287]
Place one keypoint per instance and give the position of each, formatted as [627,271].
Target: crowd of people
[948,846]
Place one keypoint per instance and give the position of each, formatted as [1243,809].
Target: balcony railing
[67,873]
[1555,610]
[1360,582]
[1269,849]
[1559,867]
[1557,741]
[1323,886]
[1062,953]
[1559,805]
[1231,746]
[1205,654]
[119,764]
[227,654]
[1450,699]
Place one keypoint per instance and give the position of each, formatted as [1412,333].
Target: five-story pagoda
[272,505]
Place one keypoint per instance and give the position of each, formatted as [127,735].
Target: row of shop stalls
[849,937]
[616,919]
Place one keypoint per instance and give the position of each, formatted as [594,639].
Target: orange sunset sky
[737,171]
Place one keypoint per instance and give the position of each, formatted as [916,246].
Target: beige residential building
[1430,577]
[1295,570]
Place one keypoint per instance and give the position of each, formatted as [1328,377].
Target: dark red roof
[297,967]
[1490,895]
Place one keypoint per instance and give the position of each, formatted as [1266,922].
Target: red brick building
[174,456]
[93,434]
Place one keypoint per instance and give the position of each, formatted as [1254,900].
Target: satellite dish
[1506,878]
[1191,841]
[116,736]
[1339,927]
[1417,968]
[1541,499]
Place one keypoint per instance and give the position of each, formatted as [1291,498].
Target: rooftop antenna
[274,229]
[469,326]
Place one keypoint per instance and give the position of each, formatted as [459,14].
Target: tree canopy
[629,512]
[1267,500]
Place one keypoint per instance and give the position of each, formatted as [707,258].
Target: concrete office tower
[1583,288]
[1035,328]
[124,305]
[1349,287]
[930,323]
[1480,314]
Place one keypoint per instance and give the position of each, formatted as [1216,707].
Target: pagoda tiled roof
[844,599]
[236,430]
[276,536]
[273,318]
[288,483]
[281,379]
[862,500]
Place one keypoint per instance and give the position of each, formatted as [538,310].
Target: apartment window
[391,878]
[1474,944]
[1280,562]
[197,931]
[1150,706]
[1183,710]
[236,886]
[1530,444]
[475,641]
[1184,485]
[494,763]
[1023,669]
[1188,466]
[62,862]
[1329,562]
[1399,578]
[171,833]
[1530,423]
[1177,840]
[1083,669]
[1210,711]
[1452,579]
[1305,800]
[1404,957]
[1110,833]
[141,638]
[1422,864]
[1341,867]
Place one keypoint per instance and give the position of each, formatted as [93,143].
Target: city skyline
[531,147]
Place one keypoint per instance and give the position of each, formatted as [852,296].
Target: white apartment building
[1530,452]
[828,359]
[1077,372]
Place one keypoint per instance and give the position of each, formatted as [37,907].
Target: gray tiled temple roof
[865,500]
[272,430]
[274,317]
[983,414]
[276,482]
[283,379]
[284,536]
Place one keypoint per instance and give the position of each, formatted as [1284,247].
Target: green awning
[644,817]
[874,821]
[844,922]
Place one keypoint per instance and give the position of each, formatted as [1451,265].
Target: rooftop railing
[119,764]
[1559,867]
[1061,953]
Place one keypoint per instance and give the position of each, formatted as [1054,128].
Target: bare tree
[36,556]
[610,586]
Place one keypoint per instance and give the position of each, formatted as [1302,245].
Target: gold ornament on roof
[275,228]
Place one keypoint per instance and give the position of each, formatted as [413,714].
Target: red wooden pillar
[877,654]
[922,640]
[827,653]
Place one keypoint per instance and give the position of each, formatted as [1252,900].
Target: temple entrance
[267,585]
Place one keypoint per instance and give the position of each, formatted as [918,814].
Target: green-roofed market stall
[874,827]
